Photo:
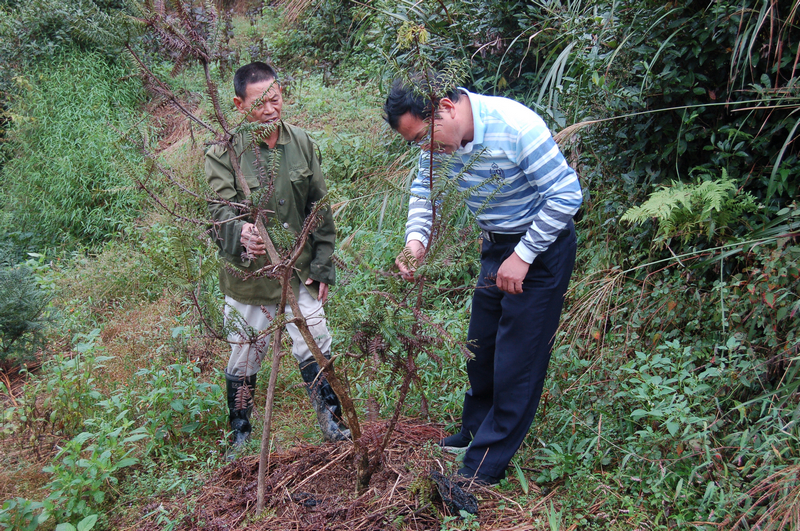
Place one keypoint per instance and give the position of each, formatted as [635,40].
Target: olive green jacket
[298,185]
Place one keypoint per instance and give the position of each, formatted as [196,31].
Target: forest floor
[312,488]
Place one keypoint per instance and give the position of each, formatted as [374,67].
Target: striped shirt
[525,183]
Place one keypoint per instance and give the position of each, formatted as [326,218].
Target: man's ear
[447,106]
[239,102]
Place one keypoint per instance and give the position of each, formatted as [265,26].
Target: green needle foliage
[22,312]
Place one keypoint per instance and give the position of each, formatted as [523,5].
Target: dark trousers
[511,337]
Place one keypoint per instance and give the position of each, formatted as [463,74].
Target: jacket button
[285,225]
[281,202]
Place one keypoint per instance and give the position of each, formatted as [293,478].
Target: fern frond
[705,208]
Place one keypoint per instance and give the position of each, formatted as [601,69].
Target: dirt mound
[312,488]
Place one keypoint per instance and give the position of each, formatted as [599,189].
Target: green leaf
[523,481]
[177,405]
[190,427]
[65,527]
[9,504]
[678,489]
[83,437]
[87,523]
[134,438]
[128,461]
[673,427]
[769,299]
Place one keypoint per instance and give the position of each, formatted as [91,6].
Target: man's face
[446,137]
[267,95]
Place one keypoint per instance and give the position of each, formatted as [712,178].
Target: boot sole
[455,449]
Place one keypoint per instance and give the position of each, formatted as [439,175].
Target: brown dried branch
[163,90]
[303,491]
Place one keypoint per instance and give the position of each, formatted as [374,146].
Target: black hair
[254,72]
[404,98]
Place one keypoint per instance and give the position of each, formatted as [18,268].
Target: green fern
[709,208]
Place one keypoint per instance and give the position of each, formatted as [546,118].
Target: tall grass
[68,180]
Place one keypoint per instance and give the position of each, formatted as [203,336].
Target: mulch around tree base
[313,488]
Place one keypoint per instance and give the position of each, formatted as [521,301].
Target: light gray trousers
[247,355]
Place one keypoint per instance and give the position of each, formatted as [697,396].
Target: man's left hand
[511,274]
[323,290]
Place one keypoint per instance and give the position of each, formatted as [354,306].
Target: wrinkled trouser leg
[246,356]
[511,337]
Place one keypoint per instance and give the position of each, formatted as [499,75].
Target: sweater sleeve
[539,158]
[420,217]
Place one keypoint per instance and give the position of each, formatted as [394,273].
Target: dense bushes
[42,28]
[683,394]
[713,81]
[63,93]
[106,427]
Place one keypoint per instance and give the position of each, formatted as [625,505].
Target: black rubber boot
[325,403]
[240,404]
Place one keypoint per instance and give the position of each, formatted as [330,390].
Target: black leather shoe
[477,477]
[455,443]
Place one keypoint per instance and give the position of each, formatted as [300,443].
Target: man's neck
[467,122]
[272,140]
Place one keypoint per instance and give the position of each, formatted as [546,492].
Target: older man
[251,301]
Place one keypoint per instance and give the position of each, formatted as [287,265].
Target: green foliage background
[672,400]
[68,178]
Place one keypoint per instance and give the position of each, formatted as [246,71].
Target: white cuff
[523,252]
[417,236]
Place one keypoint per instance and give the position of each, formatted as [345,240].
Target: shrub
[22,310]
[43,28]
[693,211]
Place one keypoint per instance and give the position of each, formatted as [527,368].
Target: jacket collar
[242,141]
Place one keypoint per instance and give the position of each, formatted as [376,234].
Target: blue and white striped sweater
[528,184]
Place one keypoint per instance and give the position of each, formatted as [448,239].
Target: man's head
[258,83]
[409,113]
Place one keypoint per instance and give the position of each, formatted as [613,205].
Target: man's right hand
[251,241]
[409,258]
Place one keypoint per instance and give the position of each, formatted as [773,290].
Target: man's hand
[323,290]
[409,258]
[251,241]
[511,274]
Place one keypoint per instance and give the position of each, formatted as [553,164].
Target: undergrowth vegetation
[66,181]
[672,399]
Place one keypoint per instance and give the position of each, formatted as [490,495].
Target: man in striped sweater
[524,207]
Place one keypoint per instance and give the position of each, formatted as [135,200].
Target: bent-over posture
[524,208]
